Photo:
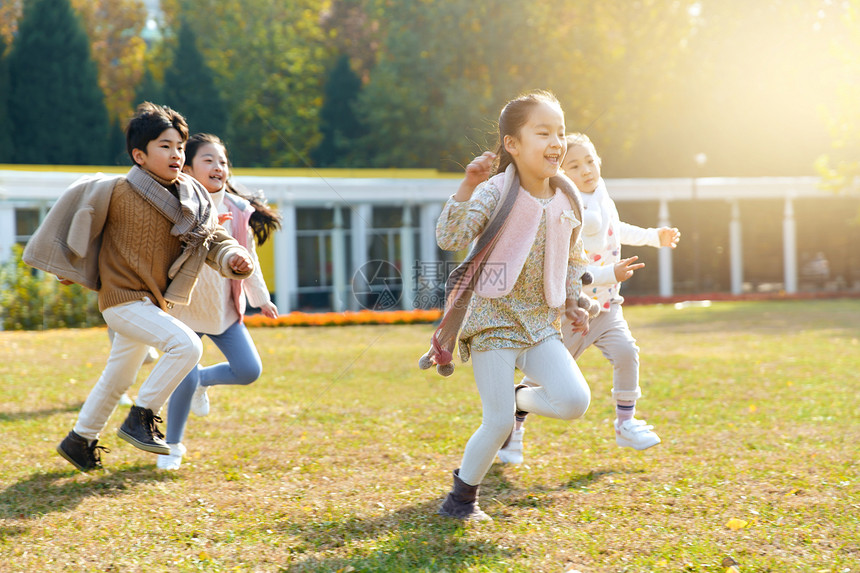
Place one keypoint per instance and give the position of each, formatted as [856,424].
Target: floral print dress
[522,318]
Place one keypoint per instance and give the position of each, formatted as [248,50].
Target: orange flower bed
[417,316]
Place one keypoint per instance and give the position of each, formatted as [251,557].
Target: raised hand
[625,268]
[476,173]
[669,236]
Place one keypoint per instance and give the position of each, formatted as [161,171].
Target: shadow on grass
[538,496]
[415,538]
[18,416]
[412,538]
[52,492]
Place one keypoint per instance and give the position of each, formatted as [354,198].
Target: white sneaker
[125,400]
[200,401]
[635,434]
[173,460]
[511,451]
[151,356]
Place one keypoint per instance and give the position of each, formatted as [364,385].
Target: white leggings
[562,393]
[139,325]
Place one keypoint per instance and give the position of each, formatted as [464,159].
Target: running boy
[140,241]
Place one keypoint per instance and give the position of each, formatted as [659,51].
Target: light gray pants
[139,325]
[609,332]
[562,393]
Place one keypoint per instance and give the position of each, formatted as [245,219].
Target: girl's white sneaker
[635,434]
[511,451]
[173,460]
[200,401]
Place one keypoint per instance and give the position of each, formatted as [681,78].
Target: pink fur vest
[502,267]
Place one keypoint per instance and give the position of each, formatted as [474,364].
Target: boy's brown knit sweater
[137,249]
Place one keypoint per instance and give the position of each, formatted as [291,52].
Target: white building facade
[369,242]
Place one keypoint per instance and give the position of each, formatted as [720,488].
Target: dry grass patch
[337,459]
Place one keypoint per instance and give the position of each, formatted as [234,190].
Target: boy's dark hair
[151,120]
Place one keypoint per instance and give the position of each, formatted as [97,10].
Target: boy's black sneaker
[80,454]
[139,430]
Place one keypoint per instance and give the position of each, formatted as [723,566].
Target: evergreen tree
[189,87]
[339,125]
[117,152]
[148,89]
[56,107]
[6,149]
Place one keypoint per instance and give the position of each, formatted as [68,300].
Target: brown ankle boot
[462,502]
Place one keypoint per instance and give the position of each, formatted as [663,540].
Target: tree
[6,148]
[56,106]
[444,70]
[339,125]
[352,28]
[269,61]
[117,152]
[114,28]
[840,166]
[148,89]
[746,90]
[10,13]
[189,87]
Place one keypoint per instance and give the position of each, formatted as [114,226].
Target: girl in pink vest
[522,275]
[218,305]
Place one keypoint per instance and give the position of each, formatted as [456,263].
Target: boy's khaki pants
[139,325]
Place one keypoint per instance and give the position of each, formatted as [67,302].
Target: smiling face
[210,166]
[583,168]
[164,155]
[539,147]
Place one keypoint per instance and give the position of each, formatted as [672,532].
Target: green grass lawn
[338,457]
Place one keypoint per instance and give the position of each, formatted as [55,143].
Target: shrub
[33,300]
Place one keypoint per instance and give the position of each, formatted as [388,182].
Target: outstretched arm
[669,236]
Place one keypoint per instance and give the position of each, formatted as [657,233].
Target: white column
[7,231]
[286,261]
[664,254]
[736,252]
[431,272]
[338,255]
[789,246]
[427,237]
[407,259]
[360,221]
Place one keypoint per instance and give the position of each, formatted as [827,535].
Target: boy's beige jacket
[68,242]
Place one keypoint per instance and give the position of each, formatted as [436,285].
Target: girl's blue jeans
[243,366]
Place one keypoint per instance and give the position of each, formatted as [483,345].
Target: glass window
[26,222]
